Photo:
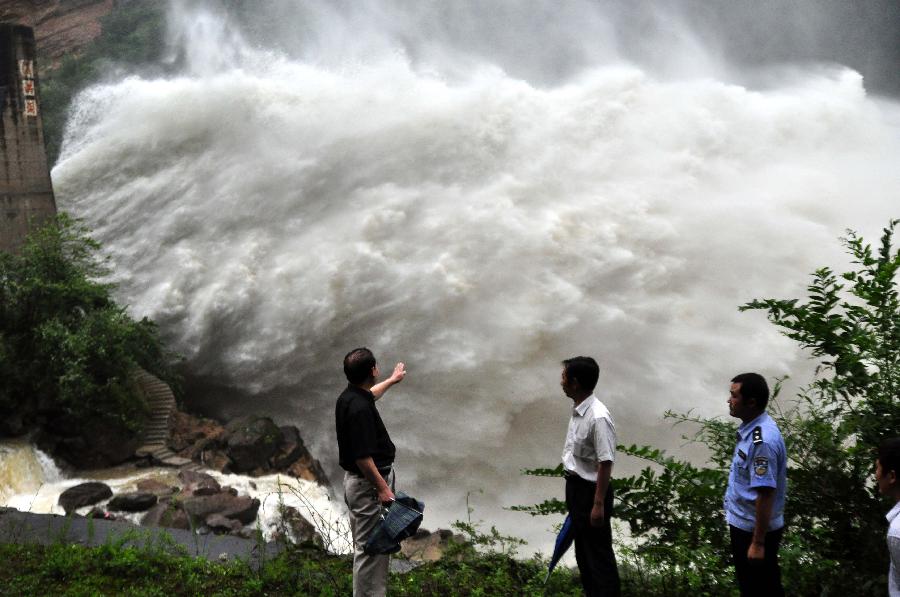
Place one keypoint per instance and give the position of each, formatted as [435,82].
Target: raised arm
[397,376]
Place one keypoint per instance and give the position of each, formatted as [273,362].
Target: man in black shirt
[366,454]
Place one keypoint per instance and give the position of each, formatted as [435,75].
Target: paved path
[49,529]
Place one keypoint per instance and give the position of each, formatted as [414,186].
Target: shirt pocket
[742,472]
[584,447]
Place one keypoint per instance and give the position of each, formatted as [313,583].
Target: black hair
[584,370]
[753,387]
[358,365]
[889,455]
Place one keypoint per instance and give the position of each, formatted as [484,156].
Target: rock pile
[250,445]
[199,503]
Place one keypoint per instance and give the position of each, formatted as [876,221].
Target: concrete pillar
[26,193]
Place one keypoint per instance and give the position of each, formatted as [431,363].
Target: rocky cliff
[61,27]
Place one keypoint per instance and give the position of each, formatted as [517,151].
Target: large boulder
[220,524]
[307,467]
[132,502]
[242,508]
[97,443]
[216,459]
[290,448]
[426,546]
[297,527]
[189,435]
[251,445]
[84,494]
[156,487]
[167,514]
[252,441]
[197,483]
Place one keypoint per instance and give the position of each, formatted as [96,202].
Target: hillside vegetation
[67,350]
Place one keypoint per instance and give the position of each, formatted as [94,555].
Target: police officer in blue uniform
[754,500]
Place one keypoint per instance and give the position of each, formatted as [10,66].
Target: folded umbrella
[563,542]
[401,521]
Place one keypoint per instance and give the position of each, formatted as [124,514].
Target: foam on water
[22,470]
[30,481]
[271,210]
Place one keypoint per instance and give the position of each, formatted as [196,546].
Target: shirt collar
[893,513]
[361,392]
[585,405]
[745,428]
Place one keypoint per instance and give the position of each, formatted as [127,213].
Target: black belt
[570,476]
[384,471]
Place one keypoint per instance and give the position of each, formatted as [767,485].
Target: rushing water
[31,482]
[479,190]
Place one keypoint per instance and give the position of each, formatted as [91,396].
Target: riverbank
[154,567]
[25,528]
[32,483]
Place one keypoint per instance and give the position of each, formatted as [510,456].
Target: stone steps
[161,401]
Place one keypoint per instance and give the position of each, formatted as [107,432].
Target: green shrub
[834,543]
[68,349]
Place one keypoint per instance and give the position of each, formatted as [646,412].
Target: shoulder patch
[761,466]
[757,435]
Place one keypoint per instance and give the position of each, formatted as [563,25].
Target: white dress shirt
[590,439]
[893,541]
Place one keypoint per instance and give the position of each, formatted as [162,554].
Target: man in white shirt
[887,474]
[588,456]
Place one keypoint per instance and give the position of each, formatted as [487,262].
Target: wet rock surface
[240,508]
[132,502]
[427,546]
[251,445]
[84,494]
[252,441]
[166,514]
[222,524]
[95,444]
[158,488]
[197,483]
[296,527]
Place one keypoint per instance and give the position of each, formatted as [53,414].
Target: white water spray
[31,482]
[273,209]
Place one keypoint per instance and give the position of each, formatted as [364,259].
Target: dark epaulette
[757,435]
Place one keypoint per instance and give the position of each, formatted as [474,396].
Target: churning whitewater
[272,208]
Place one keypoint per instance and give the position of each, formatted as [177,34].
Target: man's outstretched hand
[396,377]
[399,373]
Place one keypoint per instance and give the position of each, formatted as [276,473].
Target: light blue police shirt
[760,460]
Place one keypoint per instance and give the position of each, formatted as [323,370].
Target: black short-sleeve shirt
[360,430]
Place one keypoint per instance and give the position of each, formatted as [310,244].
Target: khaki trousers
[369,572]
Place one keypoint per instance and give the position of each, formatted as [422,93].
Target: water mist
[479,201]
